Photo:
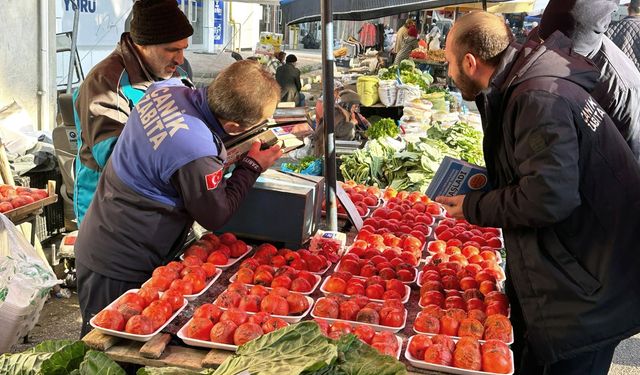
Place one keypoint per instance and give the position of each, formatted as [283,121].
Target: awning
[512,6]
[298,11]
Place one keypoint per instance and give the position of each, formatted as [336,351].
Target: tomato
[338,329]
[427,324]
[496,362]
[259,290]
[246,332]
[297,303]
[395,318]
[165,271]
[375,291]
[250,303]
[280,291]
[326,308]
[445,341]
[364,333]
[467,354]
[273,324]
[433,310]
[175,266]
[174,297]
[497,327]
[210,269]
[259,317]
[335,285]
[209,311]
[129,309]
[110,319]
[229,299]
[262,277]
[472,328]
[149,294]
[495,346]
[386,338]
[457,314]
[197,251]
[164,306]
[139,325]
[245,275]
[192,261]
[266,249]
[454,302]
[281,281]
[132,298]
[238,249]
[157,314]
[228,238]
[161,282]
[218,257]
[432,297]
[198,271]
[199,329]
[418,345]
[449,326]
[235,315]
[438,354]
[477,315]
[275,305]
[211,239]
[183,286]
[301,285]
[222,332]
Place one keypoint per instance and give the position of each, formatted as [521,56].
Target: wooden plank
[177,356]
[154,347]
[24,211]
[99,341]
[215,357]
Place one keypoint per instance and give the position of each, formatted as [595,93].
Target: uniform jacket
[288,77]
[626,35]
[165,172]
[102,106]
[566,195]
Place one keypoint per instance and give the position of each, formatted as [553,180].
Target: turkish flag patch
[213,180]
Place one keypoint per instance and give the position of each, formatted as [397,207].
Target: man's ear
[232,128]
[470,64]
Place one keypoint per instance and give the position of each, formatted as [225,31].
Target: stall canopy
[298,11]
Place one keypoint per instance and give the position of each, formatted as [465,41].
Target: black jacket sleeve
[545,159]
[212,206]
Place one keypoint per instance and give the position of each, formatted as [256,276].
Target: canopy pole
[326,7]
[484,5]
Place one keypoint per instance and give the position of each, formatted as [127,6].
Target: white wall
[20,58]
[249,17]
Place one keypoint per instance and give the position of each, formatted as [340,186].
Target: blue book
[457,177]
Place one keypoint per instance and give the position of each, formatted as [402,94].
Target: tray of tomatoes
[458,323]
[139,314]
[375,288]
[384,342]
[387,264]
[279,302]
[301,260]
[387,316]
[302,282]
[213,327]
[222,251]
[191,277]
[464,356]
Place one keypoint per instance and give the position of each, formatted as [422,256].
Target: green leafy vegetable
[291,350]
[169,371]
[99,363]
[462,138]
[385,127]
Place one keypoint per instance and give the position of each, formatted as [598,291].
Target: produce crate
[54,213]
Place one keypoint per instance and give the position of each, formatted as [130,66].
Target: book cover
[457,177]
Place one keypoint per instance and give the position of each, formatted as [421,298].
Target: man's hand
[265,158]
[453,205]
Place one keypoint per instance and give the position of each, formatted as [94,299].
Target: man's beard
[468,88]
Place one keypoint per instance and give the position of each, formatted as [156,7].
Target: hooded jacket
[618,88]
[566,195]
[626,35]
[102,106]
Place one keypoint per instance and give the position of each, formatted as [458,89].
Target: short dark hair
[241,91]
[484,35]
[634,6]
[291,59]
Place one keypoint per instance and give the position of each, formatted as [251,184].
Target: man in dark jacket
[166,171]
[618,88]
[565,193]
[288,77]
[626,33]
[152,51]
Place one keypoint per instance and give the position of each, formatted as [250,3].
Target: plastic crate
[54,214]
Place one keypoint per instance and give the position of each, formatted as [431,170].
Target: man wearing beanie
[618,88]
[151,52]
[288,77]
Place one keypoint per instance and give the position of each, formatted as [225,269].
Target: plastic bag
[388,91]
[16,129]
[25,281]
[367,87]
[407,93]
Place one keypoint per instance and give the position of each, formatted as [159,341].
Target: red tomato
[418,345]
[438,354]
[326,308]
[235,315]
[222,332]
[364,333]
[139,325]
[209,311]
[427,324]
[199,328]
[273,324]
[275,305]
[157,314]
[246,332]
[250,303]
[110,319]
[149,294]
[174,297]
[297,303]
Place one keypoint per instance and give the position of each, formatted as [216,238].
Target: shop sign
[218,22]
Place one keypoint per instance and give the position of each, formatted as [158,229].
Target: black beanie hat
[158,22]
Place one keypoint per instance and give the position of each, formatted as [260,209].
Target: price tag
[348,205]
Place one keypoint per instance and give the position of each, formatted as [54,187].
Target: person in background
[347,120]
[401,35]
[626,33]
[166,171]
[275,62]
[152,51]
[564,191]
[618,89]
[410,43]
[288,77]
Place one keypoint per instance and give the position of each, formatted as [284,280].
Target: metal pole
[328,102]
[74,38]
[484,5]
